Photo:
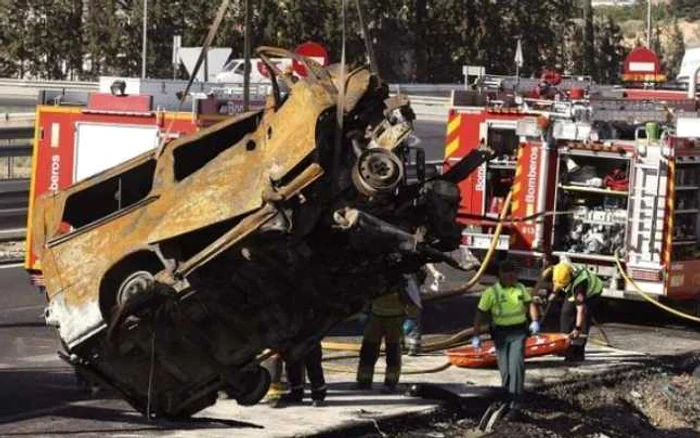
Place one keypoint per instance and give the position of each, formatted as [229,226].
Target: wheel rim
[133,285]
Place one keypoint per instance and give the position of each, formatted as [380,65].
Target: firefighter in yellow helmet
[508,303]
[582,291]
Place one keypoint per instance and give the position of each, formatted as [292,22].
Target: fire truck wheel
[255,386]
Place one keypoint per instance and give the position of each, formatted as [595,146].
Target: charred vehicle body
[169,275]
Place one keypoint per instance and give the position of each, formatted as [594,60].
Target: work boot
[318,396]
[363,386]
[388,388]
[293,397]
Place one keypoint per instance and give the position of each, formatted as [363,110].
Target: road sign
[262,69]
[311,50]
[642,65]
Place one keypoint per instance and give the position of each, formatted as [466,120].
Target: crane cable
[638,290]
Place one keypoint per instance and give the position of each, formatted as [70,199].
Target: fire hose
[456,338]
[638,290]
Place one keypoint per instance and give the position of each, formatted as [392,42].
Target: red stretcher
[485,356]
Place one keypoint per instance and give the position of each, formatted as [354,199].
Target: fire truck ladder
[648,202]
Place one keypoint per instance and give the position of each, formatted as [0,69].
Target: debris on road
[651,402]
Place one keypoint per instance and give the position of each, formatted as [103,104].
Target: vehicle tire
[256,385]
[127,279]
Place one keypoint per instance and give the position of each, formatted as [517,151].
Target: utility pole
[588,37]
[247,50]
[648,24]
[145,39]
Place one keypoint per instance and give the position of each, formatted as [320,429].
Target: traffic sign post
[311,50]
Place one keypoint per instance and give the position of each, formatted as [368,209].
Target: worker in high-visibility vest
[582,291]
[507,304]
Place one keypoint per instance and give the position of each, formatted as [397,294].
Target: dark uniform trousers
[312,363]
[567,323]
[510,353]
[390,329]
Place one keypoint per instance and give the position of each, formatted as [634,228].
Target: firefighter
[277,387]
[311,362]
[412,330]
[507,303]
[386,317]
[582,290]
[412,325]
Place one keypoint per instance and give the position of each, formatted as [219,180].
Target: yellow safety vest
[506,305]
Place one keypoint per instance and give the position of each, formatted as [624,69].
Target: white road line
[22,309]
[12,266]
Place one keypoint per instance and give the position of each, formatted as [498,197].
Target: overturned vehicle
[169,275]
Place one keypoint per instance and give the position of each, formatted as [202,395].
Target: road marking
[22,309]
[12,266]
[41,358]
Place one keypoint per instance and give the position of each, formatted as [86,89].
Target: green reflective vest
[595,284]
[507,304]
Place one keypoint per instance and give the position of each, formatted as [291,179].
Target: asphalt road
[432,136]
[39,395]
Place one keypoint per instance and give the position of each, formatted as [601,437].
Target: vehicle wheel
[132,285]
[127,279]
[256,385]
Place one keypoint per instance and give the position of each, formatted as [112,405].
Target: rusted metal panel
[236,239]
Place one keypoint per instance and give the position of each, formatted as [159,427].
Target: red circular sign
[311,50]
[642,60]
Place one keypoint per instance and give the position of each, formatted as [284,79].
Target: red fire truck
[79,135]
[591,178]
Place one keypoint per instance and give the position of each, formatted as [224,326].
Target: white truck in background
[233,71]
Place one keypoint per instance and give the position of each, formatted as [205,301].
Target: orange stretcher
[485,356]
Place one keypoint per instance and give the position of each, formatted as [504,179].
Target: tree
[675,52]
[610,52]
[686,9]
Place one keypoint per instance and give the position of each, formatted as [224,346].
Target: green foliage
[688,9]
[676,50]
[415,40]
[610,53]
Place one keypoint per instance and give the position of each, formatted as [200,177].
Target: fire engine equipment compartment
[686,229]
[170,274]
[592,195]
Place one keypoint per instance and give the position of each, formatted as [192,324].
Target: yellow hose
[439,345]
[487,259]
[644,295]
[353,370]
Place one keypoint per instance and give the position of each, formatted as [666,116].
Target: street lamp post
[649,24]
[247,55]
[145,39]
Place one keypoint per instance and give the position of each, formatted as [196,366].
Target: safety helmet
[562,275]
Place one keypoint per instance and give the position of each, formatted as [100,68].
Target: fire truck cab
[594,179]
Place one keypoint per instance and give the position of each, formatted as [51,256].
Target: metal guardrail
[13,132]
[44,84]
[14,204]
